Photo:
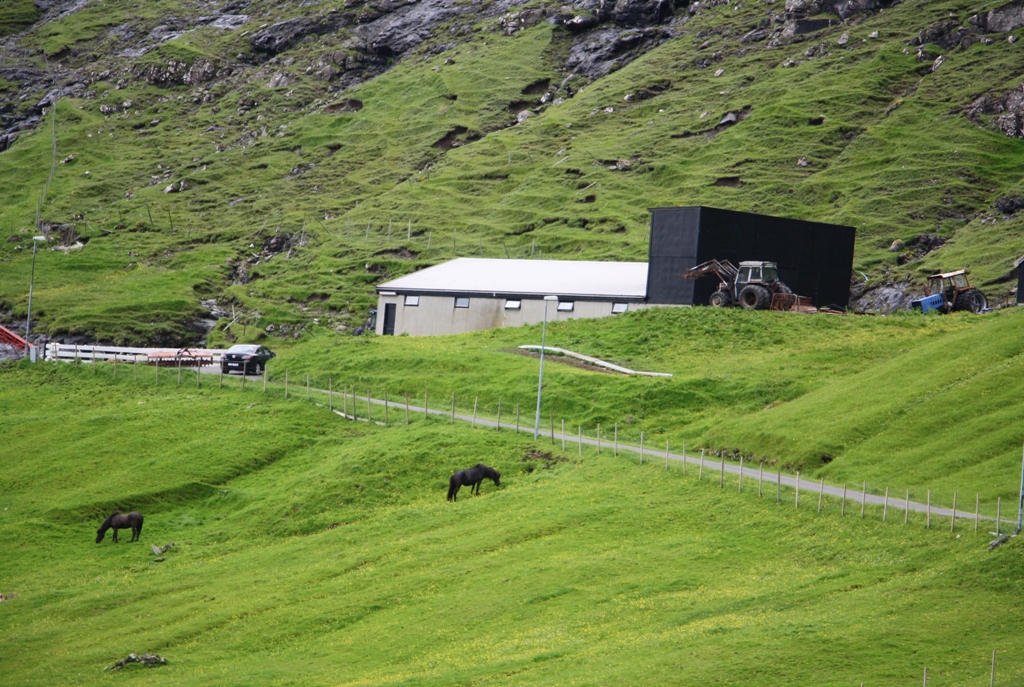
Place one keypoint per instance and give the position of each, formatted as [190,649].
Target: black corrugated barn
[814,259]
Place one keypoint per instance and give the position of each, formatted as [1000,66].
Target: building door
[389,319]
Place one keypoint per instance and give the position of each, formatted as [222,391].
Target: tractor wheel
[972,300]
[719,299]
[754,297]
[784,289]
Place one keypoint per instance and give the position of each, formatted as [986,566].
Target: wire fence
[957,512]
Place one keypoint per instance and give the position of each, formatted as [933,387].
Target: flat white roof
[528,277]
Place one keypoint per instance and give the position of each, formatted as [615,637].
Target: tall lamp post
[31,283]
[540,379]
[1020,503]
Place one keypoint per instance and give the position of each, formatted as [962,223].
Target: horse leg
[455,492]
[115,534]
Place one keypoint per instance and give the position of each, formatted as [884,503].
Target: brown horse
[121,521]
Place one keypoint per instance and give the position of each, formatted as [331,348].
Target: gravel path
[716,466]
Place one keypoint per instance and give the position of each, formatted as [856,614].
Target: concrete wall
[437,315]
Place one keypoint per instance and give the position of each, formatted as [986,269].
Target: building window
[565,306]
[461,302]
[619,308]
[412,301]
[513,305]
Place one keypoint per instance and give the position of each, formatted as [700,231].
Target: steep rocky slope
[278,159]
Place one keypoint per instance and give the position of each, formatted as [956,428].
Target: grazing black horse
[121,521]
[471,478]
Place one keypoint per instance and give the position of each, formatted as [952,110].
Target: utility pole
[31,284]
[1020,501]
[540,378]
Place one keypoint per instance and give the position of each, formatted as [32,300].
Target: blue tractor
[950,291]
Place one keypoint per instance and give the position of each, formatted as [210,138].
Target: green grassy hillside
[375,190]
[908,402]
[576,570]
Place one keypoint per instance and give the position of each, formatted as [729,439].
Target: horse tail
[140,523]
[453,487]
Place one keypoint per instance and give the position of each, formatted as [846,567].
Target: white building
[469,294]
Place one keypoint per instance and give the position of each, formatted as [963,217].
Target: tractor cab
[757,273]
[948,284]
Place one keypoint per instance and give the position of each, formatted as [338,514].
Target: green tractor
[749,286]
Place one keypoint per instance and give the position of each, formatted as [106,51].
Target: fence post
[598,438]
[551,424]
[615,444]
[666,454]
[928,510]
[498,426]
[721,474]
[387,408]
[579,438]
[476,399]
[926,677]
[760,477]
[842,510]
[641,448]
[426,403]
[700,470]
[369,407]
[220,381]
[307,382]
[406,407]
[264,379]
[684,457]
[453,407]
[344,401]
[821,492]
[330,394]
[136,366]
[115,366]
[778,486]
[563,433]
[952,521]
[906,508]
[885,505]
[156,371]
[179,368]
[999,508]
[992,677]
[741,475]
[977,510]
[796,500]
[286,386]
[243,375]
[199,372]
[517,418]
[863,498]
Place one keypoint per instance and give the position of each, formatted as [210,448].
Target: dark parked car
[245,358]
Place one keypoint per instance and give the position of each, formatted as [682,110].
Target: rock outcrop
[1007,109]
[1009,17]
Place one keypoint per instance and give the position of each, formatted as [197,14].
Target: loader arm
[724,269]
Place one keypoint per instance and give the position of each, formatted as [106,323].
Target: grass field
[907,402]
[587,570]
